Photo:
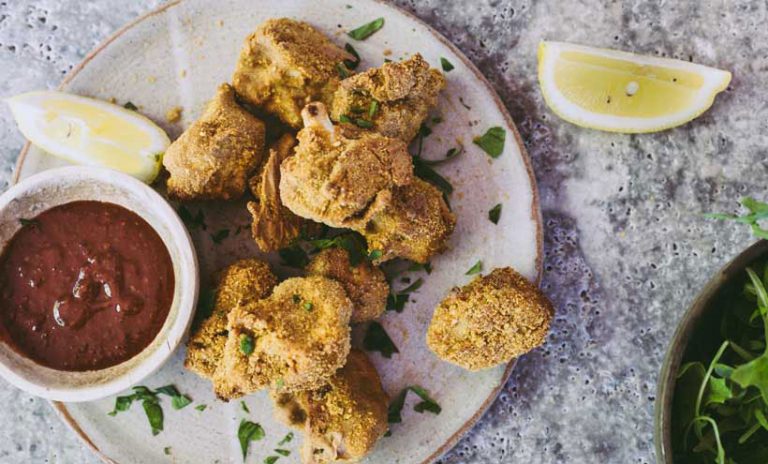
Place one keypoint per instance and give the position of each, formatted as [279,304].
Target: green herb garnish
[271,459]
[308,306]
[130,106]
[758,211]
[201,407]
[425,172]
[476,268]
[246,344]
[154,415]
[286,439]
[151,403]
[342,70]
[294,256]
[192,221]
[282,452]
[374,255]
[296,299]
[373,108]
[219,236]
[244,407]
[29,222]
[377,339]
[167,450]
[246,433]
[492,142]
[366,30]
[495,214]
[353,63]
[426,404]
[447,65]
[353,243]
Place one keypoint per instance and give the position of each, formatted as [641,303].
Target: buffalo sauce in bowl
[84,286]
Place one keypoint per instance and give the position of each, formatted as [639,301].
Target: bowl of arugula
[712,402]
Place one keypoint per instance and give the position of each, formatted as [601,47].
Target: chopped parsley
[492,142]
[246,344]
[201,407]
[426,404]
[342,70]
[296,299]
[366,30]
[246,433]
[29,222]
[377,339]
[244,407]
[359,122]
[476,268]
[294,256]
[280,383]
[494,214]
[446,65]
[196,221]
[353,63]
[373,108]
[282,452]
[353,243]
[286,439]
[167,450]
[150,402]
[396,301]
[219,236]
[308,306]
[425,172]
[130,106]
[271,459]
[374,255]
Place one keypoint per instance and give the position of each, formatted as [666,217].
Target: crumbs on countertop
[173,115]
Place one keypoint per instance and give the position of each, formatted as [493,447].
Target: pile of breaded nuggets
[293,337]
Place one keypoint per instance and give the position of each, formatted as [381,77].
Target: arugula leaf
[492,142]
[366,30]
[476,268]
[377,339]
[246,433]
[446,65]
[355,62]
[494,214]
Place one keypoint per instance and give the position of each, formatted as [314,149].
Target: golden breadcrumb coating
[365,283]
[404,93]
[343,419]
[416,225]
[286,64]
[490,321]
[245,279]
[300,337]
[274,226]
[341,177]
[213,158]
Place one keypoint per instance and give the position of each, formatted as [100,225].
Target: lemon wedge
[622,92]
[91,132]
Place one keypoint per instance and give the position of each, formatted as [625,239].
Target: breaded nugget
[416,224]
[341,177]
[214,157]
[274,226]
[243,280]
[286,64]
[403,93]
[490,321]
[343,419]
[295,339]
[365,283]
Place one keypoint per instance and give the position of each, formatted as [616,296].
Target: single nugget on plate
[415,225]
[296,339]
[274,226]
[343,419]
[341,176]
[394,98]
[214,157]
[246,279]
[286,64]
[364,282]
[490,321]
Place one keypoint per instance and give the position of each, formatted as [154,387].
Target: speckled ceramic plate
[176,56]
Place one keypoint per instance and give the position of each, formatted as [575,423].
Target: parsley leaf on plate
[492,142]
[246,433]
[446,65]
[366,30]
[494,214]
[377,339]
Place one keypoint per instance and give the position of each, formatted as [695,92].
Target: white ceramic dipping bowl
[54,187]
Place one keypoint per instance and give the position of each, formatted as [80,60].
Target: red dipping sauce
[84,286]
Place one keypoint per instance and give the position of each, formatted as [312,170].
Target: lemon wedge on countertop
[92,132]
[622,92]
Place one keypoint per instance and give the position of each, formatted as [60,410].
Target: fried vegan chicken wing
[343,419]
[341,177]
[490,321]
[286,64]
[213,158]
[243,280]
[365,283]
[275,226]
[395,97]
[295,339]
[416,225]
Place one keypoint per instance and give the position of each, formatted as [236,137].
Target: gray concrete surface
[626,244]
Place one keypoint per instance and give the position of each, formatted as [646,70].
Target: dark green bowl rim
[666,382]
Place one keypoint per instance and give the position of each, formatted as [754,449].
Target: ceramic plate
[176,56]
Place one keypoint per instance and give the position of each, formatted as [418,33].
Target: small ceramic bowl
[704,314]
[54,187]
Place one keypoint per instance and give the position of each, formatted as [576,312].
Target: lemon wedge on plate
[622,92]
[91,132]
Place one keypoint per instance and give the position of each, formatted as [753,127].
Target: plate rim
[536,216]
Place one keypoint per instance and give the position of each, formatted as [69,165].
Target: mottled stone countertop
[625,242]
